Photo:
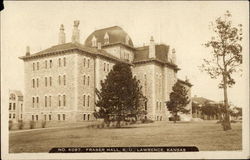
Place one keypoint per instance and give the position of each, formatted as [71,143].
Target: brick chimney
[27,51]
[76,32]
[61,37]
[152,48]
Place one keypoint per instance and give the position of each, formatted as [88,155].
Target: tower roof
[116,35]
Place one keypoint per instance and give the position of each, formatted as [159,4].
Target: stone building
[15,106]
[60,81]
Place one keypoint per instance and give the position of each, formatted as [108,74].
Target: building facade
[60,81]
[15,106]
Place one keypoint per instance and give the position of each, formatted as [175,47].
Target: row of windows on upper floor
[48,81]
[49,63]
[86,100]
[61,62]
[12,106]
[48,101]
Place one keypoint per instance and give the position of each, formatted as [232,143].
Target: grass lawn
[207,136]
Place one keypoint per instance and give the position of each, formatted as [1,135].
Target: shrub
[32,124]
[20,124]
[43,124]
[10,124]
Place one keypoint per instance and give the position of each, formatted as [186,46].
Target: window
[37,65]
[88,80]
[50,81]
[146,105]
[93,41]
[84,77]
[14,106]
[37,82]
[34,67]
[9,115]
[45,103]
[84,62]
[156,105]
[59,80]
[84,117]
[46,64]
[59,100]
[49,117]
[37,117]
[21,115]
[88,117]
[64,100]
[106,38]
[37,101]
[33,83]
[64,117]
[59,62]
[64,79]
[33,118]
[104,68]
[145,84]
[33,102]
[64,61]
[46,82]
[50,101]
[10,106]
[108,67]
[88,63]
[160,106]
[21,107]
[50,63]
[88,100]
[45,117]
[84,100]
[58,116]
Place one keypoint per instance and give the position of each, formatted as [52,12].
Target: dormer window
[106,38]
[127,39]
[94,42]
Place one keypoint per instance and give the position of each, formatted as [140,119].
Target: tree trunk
[226,122]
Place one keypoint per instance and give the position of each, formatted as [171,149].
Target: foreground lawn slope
[207,136]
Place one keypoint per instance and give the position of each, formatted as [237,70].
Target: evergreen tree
[178,100]
[120,96]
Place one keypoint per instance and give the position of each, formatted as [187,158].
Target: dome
[114,34]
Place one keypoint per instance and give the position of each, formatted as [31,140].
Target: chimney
[152,48]
[173,56]
[27,51]
[76,32]
[62,37]
[99,45]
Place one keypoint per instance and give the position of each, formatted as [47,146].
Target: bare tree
[226,57]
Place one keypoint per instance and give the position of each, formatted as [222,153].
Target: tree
[178,100]
[120,96]
[226,57]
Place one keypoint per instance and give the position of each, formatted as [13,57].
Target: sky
[182,25]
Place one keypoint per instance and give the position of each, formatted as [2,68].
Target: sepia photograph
[125,79]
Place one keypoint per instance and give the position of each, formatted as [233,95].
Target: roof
[72,46]
[17,92]
[201,100]
[116,35]
[185,82]
[161,55]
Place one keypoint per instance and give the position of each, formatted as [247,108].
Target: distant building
[15,105]
[60,81]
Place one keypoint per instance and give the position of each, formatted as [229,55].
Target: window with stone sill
[64,100]
[64,61]
[50,63]
[88,80]
[50,117]
[58,117]
[37,117]
[64,117]
[64,79]
[37,65]
[34,67]
[33,83]
[9,115]
[84,100]
[10,106]
[88,62]
[14,106]
[46,64]
[59,62]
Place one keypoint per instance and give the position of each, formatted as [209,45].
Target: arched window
[106,38]
[84,100]
[64,100]
[33,83]
[59,100]
[84,79]
[88,80]
[127,39]
[93,41]
[59,80]
[64,79]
